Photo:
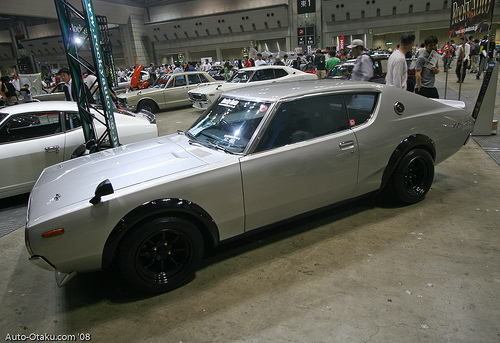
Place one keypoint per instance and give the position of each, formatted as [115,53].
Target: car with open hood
[259,155]
[170,90]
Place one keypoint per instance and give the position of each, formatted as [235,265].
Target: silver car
[257,156]
[169,90]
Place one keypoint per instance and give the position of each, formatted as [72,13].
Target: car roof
[41,106]
[264,66]
[291,89]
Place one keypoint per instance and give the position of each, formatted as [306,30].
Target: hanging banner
[342,43]
[470,16]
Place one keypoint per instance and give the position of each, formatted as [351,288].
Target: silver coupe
[257,156]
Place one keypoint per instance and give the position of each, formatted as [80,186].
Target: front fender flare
[157,208]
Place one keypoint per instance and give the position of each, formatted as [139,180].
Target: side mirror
[104,188]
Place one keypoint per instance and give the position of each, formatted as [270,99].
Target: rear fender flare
[160,208]
[409,143]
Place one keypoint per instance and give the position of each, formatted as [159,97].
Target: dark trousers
[461,70]
[428,92]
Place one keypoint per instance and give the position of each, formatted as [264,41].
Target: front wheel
[413,176]
[148,105]
[161,255]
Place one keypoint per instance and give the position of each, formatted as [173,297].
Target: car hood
[218,87]
[75,180]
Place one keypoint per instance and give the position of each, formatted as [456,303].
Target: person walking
[463,52]
[363,68]
[474,56]
[319,62]
[426,69]
[448,53]
[397,68]
[487,53]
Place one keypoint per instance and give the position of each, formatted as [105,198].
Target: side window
[280,73]
[360,107]
[72,121]
[193,79]
[179,81]
[304,119]
[29,126]
[263,75]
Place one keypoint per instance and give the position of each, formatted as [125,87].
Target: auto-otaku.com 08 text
[47,337]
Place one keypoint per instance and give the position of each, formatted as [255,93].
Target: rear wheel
[148,105]
[413,176]
[161,255]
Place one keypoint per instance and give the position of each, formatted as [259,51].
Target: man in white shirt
[397,68]
[207,66]
[363,68]
[259,61]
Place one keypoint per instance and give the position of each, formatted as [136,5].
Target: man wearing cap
[363,69]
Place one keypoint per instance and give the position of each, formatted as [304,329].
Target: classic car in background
[39,134]
[343,70]
[258,156]
[54,94]
[169,91]
[203,96]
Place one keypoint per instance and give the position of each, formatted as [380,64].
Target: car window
[241,76]
[360,107]
[280,73]
[193,79]
[28,126]
[229,124]
[304,119]
[263,75]
[162,81]
[72,121]
[179,81]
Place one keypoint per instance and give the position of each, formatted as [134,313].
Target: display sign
[342,43]
[470,16]
[306,35]
[482,91]
[306,6]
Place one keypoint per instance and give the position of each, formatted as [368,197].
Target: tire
[148,105]
[413,176]
[161,255]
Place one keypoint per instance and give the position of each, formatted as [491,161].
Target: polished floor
[363,272]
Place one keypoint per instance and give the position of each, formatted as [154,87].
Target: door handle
[346,145]
[53,148]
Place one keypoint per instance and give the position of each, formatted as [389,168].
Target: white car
[36,135]
[204,96]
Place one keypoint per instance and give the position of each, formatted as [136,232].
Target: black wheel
[148,105]
[161,255]
[413,176]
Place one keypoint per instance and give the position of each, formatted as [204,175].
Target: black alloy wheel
[161,255]
[413,176]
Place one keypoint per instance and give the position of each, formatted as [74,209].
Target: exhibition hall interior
[192,172]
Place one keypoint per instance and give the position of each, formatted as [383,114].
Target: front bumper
[61,278]
[199,101]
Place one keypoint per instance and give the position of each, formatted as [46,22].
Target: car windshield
[229,124]
[162,81]
[241,76]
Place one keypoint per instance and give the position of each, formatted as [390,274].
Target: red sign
[342,43]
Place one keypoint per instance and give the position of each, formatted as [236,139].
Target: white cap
[356,43]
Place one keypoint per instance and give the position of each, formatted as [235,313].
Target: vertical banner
[342,43]
[470,16]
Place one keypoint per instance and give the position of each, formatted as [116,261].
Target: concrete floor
[363,272]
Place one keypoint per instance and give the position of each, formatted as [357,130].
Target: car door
[176,93]
[28,144]
[306,158]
